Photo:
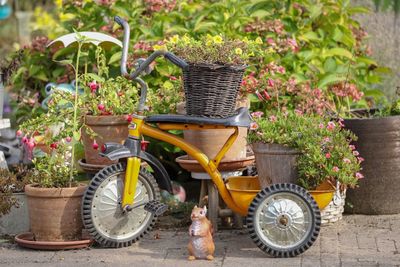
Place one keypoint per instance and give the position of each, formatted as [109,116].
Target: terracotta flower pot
[107,129]
[55,213]
[275,163]
[211,141]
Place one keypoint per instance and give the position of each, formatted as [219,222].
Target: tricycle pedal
[156,207]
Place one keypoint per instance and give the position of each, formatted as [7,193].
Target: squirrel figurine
[201,244]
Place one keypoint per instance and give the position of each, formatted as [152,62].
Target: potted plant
[106,105]
[13,208]
[303,148]
[216,66]
[54,199]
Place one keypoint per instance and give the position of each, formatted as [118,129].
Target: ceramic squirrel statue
[201,244]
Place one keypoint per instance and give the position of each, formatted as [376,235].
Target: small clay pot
[55,213]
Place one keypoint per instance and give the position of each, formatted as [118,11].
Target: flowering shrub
[213,49]
[325,146]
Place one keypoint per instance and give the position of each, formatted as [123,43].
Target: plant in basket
[318,149]
[216,67]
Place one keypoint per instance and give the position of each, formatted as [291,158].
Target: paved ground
[356,241]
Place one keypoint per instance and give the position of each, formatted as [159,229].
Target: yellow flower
[159,47]
[209,43]
[245,40]
[174,39]
[259,40]
[66,16]
[186,40]
[59,3]
[218,39]
[238,51]
[270,50]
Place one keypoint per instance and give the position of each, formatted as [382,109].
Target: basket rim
[217,66]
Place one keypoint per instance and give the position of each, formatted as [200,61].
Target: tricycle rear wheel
[283,220]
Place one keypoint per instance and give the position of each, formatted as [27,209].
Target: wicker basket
[334,211]
[211,90]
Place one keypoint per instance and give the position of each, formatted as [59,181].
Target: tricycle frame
[139,128]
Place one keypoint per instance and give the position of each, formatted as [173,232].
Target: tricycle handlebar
[144,65]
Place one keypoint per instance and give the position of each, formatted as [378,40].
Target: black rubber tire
[115,169]
[311,206]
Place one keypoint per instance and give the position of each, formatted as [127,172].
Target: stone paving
[355,241]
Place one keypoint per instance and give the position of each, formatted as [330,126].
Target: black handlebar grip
[119,20]
[176,60]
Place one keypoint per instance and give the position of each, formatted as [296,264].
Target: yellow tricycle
[122,201]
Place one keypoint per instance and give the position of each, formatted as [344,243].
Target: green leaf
[337,51]
[204,26]
[366,60]
[337,34]
[330,65]
[77,136]
[95,77]
[168,85]
[115,57]
[64,62]
[329,79]
[309,36]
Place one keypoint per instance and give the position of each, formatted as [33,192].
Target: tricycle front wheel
[283,220]
[103,215]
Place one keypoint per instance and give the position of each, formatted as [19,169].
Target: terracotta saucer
[90,168]
[192,165]
[26,240]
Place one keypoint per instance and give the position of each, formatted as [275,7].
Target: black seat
[241,118]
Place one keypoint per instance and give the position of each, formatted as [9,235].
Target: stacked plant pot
[106,129]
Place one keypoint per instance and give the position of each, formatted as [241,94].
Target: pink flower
[328,155]
[331,125]
[24,139]
[281,69]
[68,139]
[128,118]
[257,114]
[292,44]
[172,78]
[360,159]
[298,112]
[253,126]
[101,107]
[352,147]
[271,41]
[335,169]
[359,175]
[272,118]
[340,122]
[259,96]
[95,145]
[346,160]
[19,133]
[266,95]
[356,153]
[321,126]
[326,139]
[271,82]
[93,86]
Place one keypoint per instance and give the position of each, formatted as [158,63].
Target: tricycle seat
[241,118]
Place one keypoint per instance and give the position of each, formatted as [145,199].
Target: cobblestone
[355,241]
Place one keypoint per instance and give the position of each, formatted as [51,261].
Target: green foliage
[53,170]
[326,152]
[12,181]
